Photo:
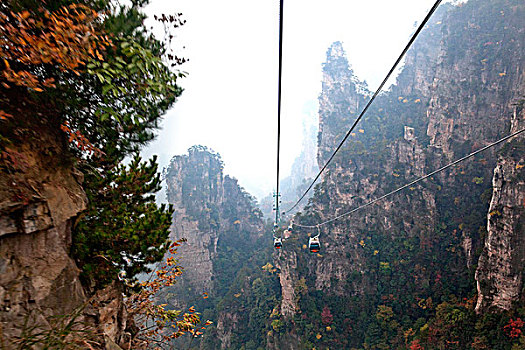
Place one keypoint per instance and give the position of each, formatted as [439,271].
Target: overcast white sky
[230,98]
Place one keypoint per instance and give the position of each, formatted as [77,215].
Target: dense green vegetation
[134,88]
[125,230]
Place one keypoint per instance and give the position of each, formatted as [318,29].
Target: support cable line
[387,77]
[413,182]
[279,104]
[277,195]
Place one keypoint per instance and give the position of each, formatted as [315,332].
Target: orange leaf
[25,14]
[4,115]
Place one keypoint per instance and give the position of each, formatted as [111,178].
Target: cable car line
[407,47]
[279,104]
[413,182]
[278,241]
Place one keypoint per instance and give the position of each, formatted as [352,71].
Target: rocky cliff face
[476,83]
[341,96]
[354,178]
[194,186]
[223,229]
[40,196]
[208,205]
[500,270]
[485,82]
[39,201]
[457,93]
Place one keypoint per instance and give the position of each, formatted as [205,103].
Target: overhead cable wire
[387,77]
[277,197]
[413,182]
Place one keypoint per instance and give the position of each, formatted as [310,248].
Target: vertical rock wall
[223,229]
[339,101]
[499,274]
[41,195]
[39,198]
[190,196]
[479,74]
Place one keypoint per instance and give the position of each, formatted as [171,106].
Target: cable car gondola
[277,243]
[314,244]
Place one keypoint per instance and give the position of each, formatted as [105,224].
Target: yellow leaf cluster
[142,307]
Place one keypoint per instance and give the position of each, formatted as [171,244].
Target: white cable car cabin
[277,242]
[314,244]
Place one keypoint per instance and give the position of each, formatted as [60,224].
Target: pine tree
[123,229]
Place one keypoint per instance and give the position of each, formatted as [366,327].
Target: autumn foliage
[513,328]
[326,316]
[36,45]
[159,325]
[415,345]
[67,39]
[76,138]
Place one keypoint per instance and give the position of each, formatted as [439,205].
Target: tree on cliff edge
[89,71]
[123,229]
[87,75]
